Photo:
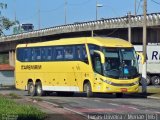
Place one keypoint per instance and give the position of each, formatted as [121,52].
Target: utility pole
[39,15]
[135,7]
[97,6]
[96,11]
[15,14]
[92,33]
[144,73]
[65,12]
[129,27]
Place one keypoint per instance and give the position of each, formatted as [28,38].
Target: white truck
[153,63]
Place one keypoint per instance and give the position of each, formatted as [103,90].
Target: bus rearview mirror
[101,56]
[142,57]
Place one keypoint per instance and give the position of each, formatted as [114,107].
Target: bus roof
[101,41]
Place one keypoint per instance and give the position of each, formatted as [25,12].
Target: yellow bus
[85,64]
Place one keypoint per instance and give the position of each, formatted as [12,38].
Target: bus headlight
[107,81]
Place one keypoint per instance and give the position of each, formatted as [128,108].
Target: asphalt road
[103,104]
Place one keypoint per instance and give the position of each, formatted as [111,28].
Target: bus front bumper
[120,89]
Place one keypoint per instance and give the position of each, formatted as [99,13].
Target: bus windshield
[120,63]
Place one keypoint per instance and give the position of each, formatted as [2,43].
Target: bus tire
[39,89]
[119,95]
[148,80]
[155,80]
[31,89]
[88,89]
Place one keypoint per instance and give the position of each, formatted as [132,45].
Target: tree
[5,23]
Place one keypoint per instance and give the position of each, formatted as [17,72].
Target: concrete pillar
[129,27]
[12,58]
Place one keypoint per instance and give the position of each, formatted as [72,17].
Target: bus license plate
[123,89]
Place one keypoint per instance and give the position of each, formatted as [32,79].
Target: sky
[52,11]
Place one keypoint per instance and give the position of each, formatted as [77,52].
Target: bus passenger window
[84,55]
[68,53]
[38,53]
[49,53]
[32,55]
[78,53]
[26,54]
[59,53]
[43,53]
[20,54]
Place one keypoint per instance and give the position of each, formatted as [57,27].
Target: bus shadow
[100,95]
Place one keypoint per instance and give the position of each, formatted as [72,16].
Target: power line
[29,18]
[138,6]
[52,10]
[155,2]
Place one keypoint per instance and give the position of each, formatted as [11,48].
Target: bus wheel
[119,95]
[39,89]
[155,80]
[148,80]
[88,89]
[31,89]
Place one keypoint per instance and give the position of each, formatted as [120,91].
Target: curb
[152,97]
[144,96]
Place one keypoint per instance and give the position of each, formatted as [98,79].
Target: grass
[14,96]
[11,109]
[153,91]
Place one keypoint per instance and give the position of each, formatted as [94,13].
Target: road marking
[50,103]
[134,108]
[85,98]
[80,113]
[114,104]
[97,100]
[156,112]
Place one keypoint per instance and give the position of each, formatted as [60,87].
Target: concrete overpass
[112,27]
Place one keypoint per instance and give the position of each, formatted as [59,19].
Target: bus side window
[43,54]
[78,53]
[27,56]
[68,53]
[32,54]
[59,53]
[20,54]
[49,53]
[38,54]
[81,53]
[84,54]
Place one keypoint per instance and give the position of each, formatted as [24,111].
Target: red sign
[123,89]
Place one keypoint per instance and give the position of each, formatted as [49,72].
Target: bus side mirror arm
[101,55]
[142,57]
